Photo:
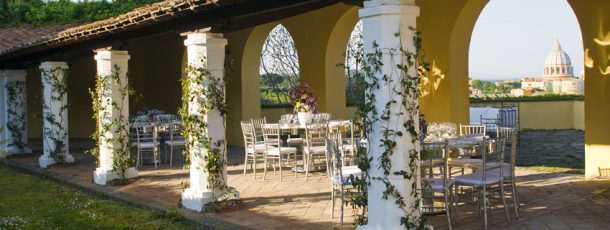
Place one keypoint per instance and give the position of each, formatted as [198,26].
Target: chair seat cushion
[507,170]
[437,183]
[148,144]
[175,143]
[295,141]
[258,148]
[347,172]
[476,179]
[315,150]
[284,150]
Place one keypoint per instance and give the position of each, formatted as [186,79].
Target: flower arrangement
[303,99]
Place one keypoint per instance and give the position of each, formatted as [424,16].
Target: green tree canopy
[44,12]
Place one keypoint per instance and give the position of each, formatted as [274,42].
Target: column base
[45,160]
[103,176]
[195,199]
[15,150]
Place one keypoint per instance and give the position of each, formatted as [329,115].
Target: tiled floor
[548,201]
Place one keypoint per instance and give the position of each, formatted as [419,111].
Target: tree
[354,77]
[279,69]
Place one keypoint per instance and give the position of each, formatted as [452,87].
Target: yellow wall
[549,115]
[446,33]
[594,19]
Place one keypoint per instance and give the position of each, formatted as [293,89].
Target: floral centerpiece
[304,102]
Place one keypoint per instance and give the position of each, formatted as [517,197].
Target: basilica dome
[558,63]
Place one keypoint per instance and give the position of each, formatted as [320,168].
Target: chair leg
[504,200]
[484,197]
[265,171]
[341,204]
[245,163]
[253,165]
[457,202]
[280,163]
[295,165]
[515,197]
[332,197]
[306,165]
[447,207]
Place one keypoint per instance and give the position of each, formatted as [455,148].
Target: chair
[274,150]
[349,147]
[315,146]
[257,125]
[509,169]
[472,130]
[252,149]
[175,140]
[436,183]
[147,142]
[292,140]
[339,175]
[484,179]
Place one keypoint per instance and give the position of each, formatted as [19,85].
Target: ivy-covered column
[203,114]
[111,108]
[14,112]
[54,114]
[392,91]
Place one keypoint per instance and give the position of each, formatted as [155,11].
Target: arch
[279,66]
[335,54]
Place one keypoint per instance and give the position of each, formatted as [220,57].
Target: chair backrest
[257,125]
[146,133]
[271,135]
[513,152]
[315,134]
[433,156]
[175,132]
[506,133]
[492,155]
[472,129]
[333,156]
[248,131]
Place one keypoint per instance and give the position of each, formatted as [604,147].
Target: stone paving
[548,200]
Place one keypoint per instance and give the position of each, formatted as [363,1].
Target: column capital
[53,65]
[204,39]
[14,74]
[112,55]
[374,8]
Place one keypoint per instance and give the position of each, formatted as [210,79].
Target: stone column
[112,67]
[14,112]
[381,20]
[205,50]
[54,114]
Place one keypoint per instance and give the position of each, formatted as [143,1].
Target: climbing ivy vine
[404,93]
[104,110]
[15,116]
[200,87]
[57,79]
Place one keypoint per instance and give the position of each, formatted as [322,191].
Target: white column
[205,50]
[54,114]
[381,20]
[114,107]
[14,111]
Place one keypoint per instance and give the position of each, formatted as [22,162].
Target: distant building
[558,76]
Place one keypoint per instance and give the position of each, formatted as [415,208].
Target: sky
[512,38]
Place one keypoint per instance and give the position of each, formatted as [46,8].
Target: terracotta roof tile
[14,36]
[19,39]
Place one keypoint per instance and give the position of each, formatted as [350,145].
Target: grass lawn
[30,202]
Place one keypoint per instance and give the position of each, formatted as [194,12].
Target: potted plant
[305,103]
